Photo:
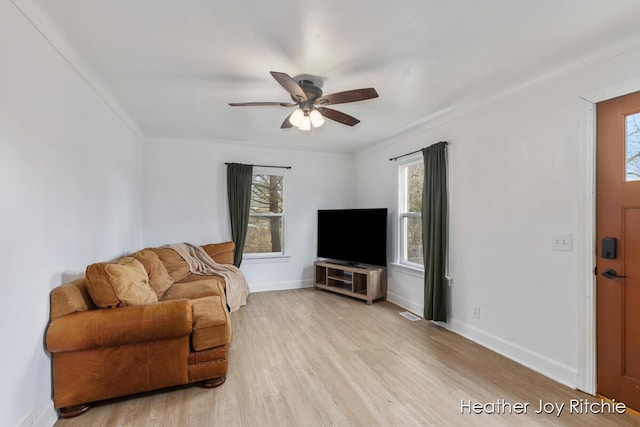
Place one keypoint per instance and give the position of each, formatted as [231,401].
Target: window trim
[400,217]
[271,256]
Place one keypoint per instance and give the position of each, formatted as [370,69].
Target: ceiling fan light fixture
[305,124]
[316,118]
[296,117]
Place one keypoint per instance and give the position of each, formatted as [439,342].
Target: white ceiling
[169,67]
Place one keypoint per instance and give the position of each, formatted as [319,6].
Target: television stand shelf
[366,282]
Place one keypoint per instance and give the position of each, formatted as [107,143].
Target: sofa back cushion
[222,253]
[173,262]
[119,284]
[159,277]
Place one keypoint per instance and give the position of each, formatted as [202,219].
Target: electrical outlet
[476,312]
[561,242]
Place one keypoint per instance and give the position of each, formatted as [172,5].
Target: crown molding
[461,109]
[56,39]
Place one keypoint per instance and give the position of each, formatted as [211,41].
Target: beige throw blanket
[201,263]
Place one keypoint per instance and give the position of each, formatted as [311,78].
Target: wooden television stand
[366,282]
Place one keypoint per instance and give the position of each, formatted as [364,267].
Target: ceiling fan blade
[338,116]
[290,85]
[286,124]
[347,96]
[262,104]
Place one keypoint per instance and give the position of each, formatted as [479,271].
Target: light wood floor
[312,358]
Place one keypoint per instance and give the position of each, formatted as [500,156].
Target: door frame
[587,364]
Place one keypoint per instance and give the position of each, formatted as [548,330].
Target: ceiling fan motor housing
[312,91]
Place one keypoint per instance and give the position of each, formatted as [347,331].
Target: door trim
[586,380]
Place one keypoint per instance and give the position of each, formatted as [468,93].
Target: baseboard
[281,286]
[405,303]
[550,368]
[47,416]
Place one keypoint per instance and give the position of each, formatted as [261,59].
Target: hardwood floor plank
[314,358]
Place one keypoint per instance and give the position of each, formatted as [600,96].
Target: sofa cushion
[194,286]
[119,284]
[211,323]
[173,262]
[159,278]
[222,253]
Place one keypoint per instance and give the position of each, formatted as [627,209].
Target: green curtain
[239,179]
[434,230]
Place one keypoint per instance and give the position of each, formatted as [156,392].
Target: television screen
[353,235]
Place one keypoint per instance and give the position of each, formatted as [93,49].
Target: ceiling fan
[311,103]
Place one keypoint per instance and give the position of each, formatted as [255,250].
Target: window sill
[264,258]
[413,271]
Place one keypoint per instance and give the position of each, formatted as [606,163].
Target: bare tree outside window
[633,147]
[411,179]
[414,202]
[265,232]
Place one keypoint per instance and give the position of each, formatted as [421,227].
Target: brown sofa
[139,324]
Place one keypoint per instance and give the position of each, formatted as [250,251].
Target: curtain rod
[267,166]
[414,152]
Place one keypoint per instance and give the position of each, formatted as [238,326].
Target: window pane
[633,147]
[412,228]
[266,194]
[415,178]
[264,235]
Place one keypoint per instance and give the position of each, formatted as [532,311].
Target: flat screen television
[353,236]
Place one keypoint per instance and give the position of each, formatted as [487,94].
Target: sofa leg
[214,382]
[73,411]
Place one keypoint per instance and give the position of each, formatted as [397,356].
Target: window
[410,213]
[266,216]
[633,147]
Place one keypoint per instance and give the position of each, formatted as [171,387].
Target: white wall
[70,191]
[186,201]
[516,179]
[73,193]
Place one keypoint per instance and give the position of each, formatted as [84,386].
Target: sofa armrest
[222,253]
[118,326]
